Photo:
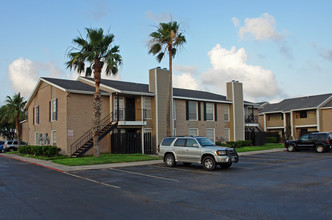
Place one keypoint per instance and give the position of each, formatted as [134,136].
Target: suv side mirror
[195,145]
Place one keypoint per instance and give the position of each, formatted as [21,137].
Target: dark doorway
[130,109]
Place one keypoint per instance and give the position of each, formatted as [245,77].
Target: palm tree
[6,128]
[168,35]
[15,112]
[96,50]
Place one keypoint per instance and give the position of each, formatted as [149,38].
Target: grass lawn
[268,146]
[105,158]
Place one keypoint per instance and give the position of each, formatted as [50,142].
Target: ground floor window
[210,134]
[54,138]
[193,132]
[227,135]
[36,138]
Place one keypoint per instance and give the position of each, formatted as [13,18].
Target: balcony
[251,119]
[132,116]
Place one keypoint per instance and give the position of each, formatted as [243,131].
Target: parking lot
[278,185]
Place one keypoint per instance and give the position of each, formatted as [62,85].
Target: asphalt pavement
[64,168]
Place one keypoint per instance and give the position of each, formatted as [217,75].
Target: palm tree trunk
[17,131]
[168,111]
[97,110]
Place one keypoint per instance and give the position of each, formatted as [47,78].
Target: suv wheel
[320,148]
[169,160]
[209,163]
[291,148]
[12,149]
[226,165]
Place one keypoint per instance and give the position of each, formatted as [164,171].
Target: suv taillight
[327,141]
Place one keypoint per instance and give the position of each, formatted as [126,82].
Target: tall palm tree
[167,39]
[96,50]
[15,112]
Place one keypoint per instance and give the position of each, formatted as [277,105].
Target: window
[192,110]
[180,142]
[147,108]
[36,115]
[119,116]
[36,138]
[226,135]
[53,137]
[54,110]
[226,112]
[193,132]
[303,114]
[167,141]
[209,112]
[210,133]
[191,142]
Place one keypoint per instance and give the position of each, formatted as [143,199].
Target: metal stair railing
[89,134]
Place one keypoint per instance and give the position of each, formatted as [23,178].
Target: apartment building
[297,116]
[60,113]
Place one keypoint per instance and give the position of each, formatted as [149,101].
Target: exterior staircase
[85,142]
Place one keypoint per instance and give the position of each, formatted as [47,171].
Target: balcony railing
[251,119]
[131,114]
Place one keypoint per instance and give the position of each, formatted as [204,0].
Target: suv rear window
[180,142]
[167,141]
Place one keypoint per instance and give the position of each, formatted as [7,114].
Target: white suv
[196,150]
[11,145]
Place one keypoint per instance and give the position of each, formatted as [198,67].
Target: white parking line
[142,174]
[94,181]
[191,171]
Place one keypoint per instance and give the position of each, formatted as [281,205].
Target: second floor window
[192,110]
[54,110]
[226,113]
[209,111]
[36,115]
[147,108]
[119,115]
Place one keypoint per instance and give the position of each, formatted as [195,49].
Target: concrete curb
[64,168]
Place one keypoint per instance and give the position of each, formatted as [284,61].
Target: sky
[277,49]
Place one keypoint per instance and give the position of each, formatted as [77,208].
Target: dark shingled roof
[71,85]
[138,87]
[297,103]
[329,104]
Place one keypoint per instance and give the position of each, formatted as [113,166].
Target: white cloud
[228,65]
[261,28]
[186,79]
[235,21]
[24,74]
[161,17]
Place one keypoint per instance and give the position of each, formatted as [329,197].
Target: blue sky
[278,49]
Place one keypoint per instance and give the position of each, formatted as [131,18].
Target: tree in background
[167,39]
[96,50]
[15,112]
[7,130]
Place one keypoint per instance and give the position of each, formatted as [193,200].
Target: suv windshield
[205,142]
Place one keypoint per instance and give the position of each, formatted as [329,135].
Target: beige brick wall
[274,120]
[326,120]
[310,120]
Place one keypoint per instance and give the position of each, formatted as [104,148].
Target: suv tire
[320,148]
[226,165]
[209,163]
[169,160]
[291,148]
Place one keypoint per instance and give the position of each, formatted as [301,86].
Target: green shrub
[271,139]
[238,144]
[219,143]
[48,151]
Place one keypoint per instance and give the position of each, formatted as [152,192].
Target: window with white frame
[226,135]
[53,137]
[121,109]
[147,108]
[36,138]
[36,116]
[209,111]
[192,110]
[54,109]
[226,112]
[210,134]
[193,132]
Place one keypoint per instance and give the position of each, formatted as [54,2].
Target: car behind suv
[196,150]
[319,141]
[11,145]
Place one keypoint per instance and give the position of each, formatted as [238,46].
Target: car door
[303,142]
[179,149]
[192,151]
